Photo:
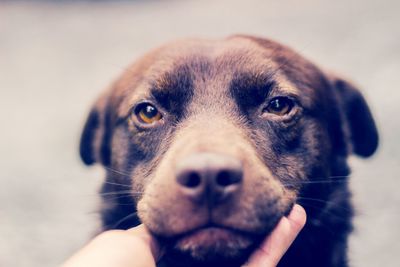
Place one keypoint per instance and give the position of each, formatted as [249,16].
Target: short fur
[213,95]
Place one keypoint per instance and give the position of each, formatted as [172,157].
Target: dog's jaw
[210,247]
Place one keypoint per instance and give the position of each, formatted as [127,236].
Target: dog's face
[214,141]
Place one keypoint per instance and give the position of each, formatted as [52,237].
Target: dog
[209,143]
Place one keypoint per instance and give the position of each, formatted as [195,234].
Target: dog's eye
[280,106]
[147,113]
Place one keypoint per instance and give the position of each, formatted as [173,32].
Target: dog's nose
[209,176]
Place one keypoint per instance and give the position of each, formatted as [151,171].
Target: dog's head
[213,142]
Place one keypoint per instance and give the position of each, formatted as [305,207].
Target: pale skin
[137,248]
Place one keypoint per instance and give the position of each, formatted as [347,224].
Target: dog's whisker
[109,195]
[330,212]
[301,200]
[123,220]
[322,201]
[314,182]
[317,180]
[117,171]
[126,204]
[313,199]
[111,198]
[125,192]
[339,176]
[329,177]
[117,184]
[323,178]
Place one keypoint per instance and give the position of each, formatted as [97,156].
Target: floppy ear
[96,135]
[360,123]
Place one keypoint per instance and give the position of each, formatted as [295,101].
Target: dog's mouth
[212,242]
[217,241]
[213,235]
[206,236]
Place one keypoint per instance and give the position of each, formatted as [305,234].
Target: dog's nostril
[190,179]
[225,178]
[193,180]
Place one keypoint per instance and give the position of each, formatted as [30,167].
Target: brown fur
[212,95]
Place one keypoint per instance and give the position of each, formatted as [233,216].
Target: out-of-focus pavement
[55,58]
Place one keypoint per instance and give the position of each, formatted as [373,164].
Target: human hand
[137,248]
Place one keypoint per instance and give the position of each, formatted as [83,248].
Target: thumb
[276,244]
[141,231]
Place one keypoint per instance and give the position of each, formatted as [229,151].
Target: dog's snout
[209,176]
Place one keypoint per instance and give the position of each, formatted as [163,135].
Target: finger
[117,248]
[276,244]
[142,232]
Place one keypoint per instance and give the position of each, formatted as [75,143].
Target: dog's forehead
[197,65]
[213,57]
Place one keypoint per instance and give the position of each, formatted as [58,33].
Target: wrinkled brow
[250,89]
[173,90]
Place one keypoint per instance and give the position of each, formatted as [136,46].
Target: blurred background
[57,56]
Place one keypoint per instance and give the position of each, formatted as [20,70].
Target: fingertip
[138,229]
[297,217]
[142,232]
[276,244]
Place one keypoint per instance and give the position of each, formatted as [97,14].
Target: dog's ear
[359,122]
[96,135]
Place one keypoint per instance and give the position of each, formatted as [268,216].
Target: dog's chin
[210,242]
[212,245]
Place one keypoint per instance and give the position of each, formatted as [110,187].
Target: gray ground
[56,57]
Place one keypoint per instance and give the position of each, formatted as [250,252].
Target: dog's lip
[209,235]
[214,226]
[209,225]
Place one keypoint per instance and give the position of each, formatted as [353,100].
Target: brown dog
[210,143]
